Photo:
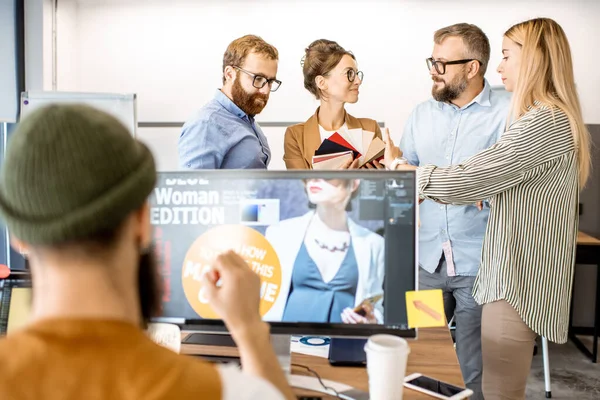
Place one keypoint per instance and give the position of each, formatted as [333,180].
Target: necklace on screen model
[332,249]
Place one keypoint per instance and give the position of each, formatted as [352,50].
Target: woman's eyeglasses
[352,74]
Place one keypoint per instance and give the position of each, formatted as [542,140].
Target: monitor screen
[15,304]
[335,251]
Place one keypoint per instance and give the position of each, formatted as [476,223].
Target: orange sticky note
[425,308]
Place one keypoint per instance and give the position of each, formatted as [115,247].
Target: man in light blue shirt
[224,133]
[463,118]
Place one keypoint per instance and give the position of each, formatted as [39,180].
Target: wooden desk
[431,354]
[588,252]
[586,240]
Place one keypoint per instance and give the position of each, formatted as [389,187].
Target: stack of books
[342,147]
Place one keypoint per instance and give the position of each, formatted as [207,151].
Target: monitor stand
[311,383]
[282,346]
[210,339]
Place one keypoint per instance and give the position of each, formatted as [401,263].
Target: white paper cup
[167,335]
[386,366]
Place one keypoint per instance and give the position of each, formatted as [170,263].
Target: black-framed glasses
[260,81]
[440,66]
[352,74]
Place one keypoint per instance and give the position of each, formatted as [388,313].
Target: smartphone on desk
[347,352]
[436,388]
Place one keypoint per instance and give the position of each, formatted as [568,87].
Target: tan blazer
[302,140]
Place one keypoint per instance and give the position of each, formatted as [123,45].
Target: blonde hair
[546,75]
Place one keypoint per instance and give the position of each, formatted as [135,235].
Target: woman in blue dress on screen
[329,263]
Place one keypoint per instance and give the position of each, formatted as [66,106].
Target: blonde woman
[532,178]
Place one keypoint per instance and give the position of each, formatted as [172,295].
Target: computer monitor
[330,248]
[15,302]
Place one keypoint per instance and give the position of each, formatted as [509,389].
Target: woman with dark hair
[329,263]
[330,74]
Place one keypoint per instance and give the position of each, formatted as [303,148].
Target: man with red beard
[224,134]
[463,118]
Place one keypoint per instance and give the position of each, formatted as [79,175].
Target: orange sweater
[76,359]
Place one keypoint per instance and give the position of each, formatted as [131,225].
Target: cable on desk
[316,375]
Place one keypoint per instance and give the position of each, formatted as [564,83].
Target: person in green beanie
[73,193]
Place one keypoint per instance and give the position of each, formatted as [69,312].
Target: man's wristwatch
[397,161]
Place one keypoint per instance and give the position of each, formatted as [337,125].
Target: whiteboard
[121,106]
[275,136]
[162,141]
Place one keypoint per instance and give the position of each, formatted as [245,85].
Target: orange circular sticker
[253,247]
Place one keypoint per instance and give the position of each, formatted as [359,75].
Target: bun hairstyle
[320,57]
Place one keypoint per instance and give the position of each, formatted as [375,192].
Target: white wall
[8,62]
[38,44]
[67,52]
[170,52]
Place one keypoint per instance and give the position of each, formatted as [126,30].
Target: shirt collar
[230,106]
[483,98]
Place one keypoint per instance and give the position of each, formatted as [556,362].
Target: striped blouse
[530,178]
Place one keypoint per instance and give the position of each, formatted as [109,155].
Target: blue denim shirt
[222,136]
[442,134]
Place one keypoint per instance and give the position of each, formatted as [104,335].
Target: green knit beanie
[72,171]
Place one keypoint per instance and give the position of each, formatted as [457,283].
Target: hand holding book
[354,148]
